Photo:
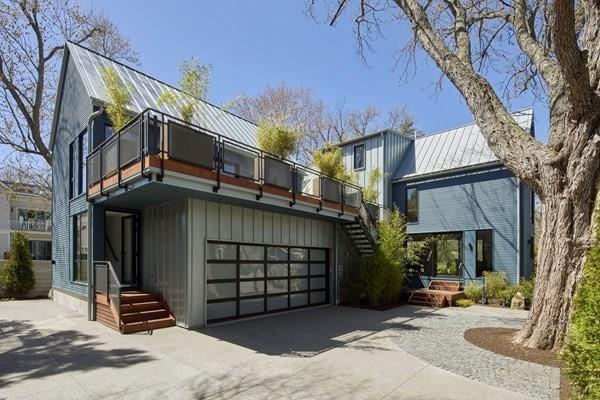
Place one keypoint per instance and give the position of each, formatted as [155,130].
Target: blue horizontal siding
[75,108]
[469,202]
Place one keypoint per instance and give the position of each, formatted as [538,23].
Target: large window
[249,279]
[359,156]
[78,151]
[412,205]
[80,247]
[443,254]
[484,251]
[40,249]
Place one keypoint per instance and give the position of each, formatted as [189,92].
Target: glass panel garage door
[247,279]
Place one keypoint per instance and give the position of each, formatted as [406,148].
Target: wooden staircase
[440,293]
[139,311]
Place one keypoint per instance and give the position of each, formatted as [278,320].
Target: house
[173,222]
[452,188]
[26,208]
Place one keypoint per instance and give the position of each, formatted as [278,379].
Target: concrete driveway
[50,352]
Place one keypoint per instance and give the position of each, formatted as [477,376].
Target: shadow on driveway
[29,353]
[313,331]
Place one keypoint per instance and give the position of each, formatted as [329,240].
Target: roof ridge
[512,113]
[157,80]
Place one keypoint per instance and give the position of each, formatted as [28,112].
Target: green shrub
[379,279]
[505,295]
[582,353]
[118,98]
[277,139]
[17,277]
[463,303]
[495,285]
[370,192]
[526,287]
[329,161]
[473,291]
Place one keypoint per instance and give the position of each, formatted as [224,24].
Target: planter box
[191,146]
[331,190]
[277,173]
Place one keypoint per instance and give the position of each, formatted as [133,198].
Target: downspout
[91,284]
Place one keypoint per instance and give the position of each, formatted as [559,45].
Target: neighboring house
[451,187]
[25,208]
[191,212]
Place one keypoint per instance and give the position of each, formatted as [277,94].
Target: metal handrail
[220,141]
[112,286]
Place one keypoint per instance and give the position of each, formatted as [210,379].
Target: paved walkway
[50,352]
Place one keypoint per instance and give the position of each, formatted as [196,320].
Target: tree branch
[461,32]
[571,59]
[512,144]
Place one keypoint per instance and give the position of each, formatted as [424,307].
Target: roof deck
[160,147]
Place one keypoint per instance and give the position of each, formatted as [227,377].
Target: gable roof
[452,149]
[145,91]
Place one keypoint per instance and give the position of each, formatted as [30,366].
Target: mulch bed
[499,341]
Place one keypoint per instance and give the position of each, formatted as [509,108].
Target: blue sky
[253,43]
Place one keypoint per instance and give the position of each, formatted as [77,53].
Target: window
[443,253]
[40,249]
[83,152]
[80,247]
[250,279]
[483,251]
[33,220]
[72,169]
[412,205]
[359,156]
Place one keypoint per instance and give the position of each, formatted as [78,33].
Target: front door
[129,249]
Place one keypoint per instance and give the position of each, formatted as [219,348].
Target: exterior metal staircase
[363,230]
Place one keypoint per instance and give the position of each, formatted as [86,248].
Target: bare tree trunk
[570,190]
[558,273]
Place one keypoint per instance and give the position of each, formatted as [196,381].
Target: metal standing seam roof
[452,149]
[145,91]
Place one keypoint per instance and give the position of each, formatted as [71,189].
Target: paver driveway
[50,352]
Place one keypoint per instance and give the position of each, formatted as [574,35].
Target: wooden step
[148,325]
[105,316]
[139,307]
[444,285]
[139,297]
[144,315]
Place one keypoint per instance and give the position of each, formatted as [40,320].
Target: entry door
[129,249]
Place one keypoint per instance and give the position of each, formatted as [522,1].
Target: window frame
[76,247]
[72,167]
[491,237]
[82,162]
[416,211]
[265,279]
[354,153]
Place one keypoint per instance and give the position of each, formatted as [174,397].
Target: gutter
[90,266]
[448,172]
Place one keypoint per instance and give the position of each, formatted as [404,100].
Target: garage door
[247,279]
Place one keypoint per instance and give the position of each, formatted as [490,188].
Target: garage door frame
[311,261]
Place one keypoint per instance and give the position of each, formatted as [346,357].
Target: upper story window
[78,151]
[72,168]
[83,152]
[412,205]
[359,156]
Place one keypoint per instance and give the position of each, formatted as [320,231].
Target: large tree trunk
[566,233]
[559,267]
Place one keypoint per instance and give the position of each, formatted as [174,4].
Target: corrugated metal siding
[395,146]
[75,109]
[164,255]
[455,148]
[382,151]
[210,220]
[145,91]
[374,158]
[483,200]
